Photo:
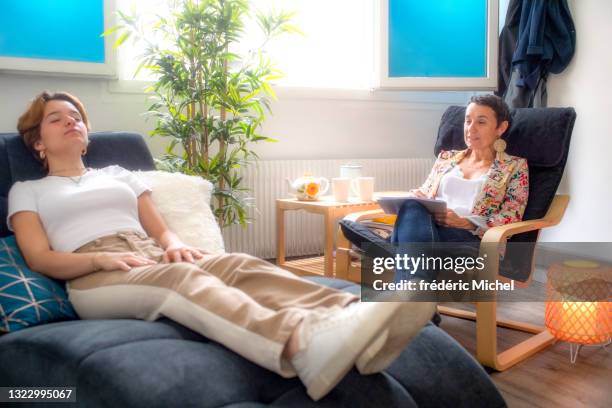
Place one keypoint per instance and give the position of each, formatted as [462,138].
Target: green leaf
[292,29]
[111,30]
[124,36]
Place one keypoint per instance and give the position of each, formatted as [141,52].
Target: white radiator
[304,231]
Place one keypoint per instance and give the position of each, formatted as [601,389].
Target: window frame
[485,83]
[71,68]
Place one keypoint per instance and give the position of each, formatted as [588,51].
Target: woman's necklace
[75,179]
[471,170]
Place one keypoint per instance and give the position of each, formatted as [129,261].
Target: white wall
[107,111]
[307,123]
[355,124]
[587,86]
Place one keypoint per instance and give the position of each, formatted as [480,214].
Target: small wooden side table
[331,211]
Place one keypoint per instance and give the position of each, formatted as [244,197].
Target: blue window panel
[53,29]
[440,38]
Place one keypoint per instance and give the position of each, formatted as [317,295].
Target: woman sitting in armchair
[482,185]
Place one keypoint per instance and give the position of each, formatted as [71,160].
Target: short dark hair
[502,112]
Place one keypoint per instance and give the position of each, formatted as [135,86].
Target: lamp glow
[578,307]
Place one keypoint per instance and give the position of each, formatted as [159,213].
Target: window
[442,44]
[344,40]
[62,37]
[337,49]
[324,57]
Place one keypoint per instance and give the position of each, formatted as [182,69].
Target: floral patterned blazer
[504,195]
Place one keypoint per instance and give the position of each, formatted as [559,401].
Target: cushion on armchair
[542,136]
[366,240]
[184,203]
[27,298]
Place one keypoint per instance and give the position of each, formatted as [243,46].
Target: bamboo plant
[207,100]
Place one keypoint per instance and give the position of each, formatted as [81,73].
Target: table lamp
[579,304]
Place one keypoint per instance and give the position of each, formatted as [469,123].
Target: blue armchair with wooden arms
[542,136]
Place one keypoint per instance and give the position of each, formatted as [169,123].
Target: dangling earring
[42,155]
[500,147]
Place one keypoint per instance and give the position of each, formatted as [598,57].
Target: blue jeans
[415,224]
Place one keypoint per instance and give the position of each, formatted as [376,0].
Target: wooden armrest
[553,217]
[364,215]
[494,240]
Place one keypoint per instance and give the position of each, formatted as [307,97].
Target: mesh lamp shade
[579,306]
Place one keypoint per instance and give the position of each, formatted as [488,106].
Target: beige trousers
[249,305]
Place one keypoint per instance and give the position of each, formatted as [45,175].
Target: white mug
[351,171]
[340,186]
[363,187]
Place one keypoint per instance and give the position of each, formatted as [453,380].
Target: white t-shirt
[460,193]
[103,202]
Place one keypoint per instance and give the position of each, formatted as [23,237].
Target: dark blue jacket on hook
[546,40]
[538,37]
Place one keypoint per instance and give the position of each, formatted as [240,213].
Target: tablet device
[392,205]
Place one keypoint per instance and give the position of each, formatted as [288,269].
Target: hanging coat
[543,42]
[507,45]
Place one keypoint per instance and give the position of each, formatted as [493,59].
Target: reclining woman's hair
[502,112]
[29,122]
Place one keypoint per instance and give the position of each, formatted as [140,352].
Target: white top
[460,194]
[103,202]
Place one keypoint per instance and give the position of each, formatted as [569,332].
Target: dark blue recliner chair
[132,363]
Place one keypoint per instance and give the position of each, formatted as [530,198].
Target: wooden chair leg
[343,256]
[346,267]
[486,333]
[486,336]
[523,350]
[509,324]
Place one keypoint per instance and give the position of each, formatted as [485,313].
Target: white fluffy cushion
[184,203]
